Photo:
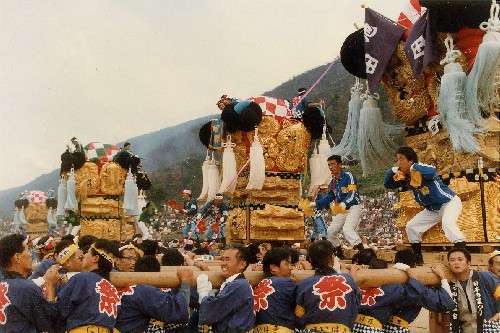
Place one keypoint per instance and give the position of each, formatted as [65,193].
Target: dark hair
[9,246]
[68,237]
[172,257]
[85,242]
[364,257]
[64,243]
[459,249]
[376,263]
[126,144]
[406,256]
[243,254]
[274,257]
[320,253]
[188,247]
[150,247]
[294,256]
[409,153]
[147,264]
[337,158]
[104,266]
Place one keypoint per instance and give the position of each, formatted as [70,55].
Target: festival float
[263,147]
[439,69]
[35,212]
[99,189]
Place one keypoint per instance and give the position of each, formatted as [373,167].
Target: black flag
[381,39]
[419,47]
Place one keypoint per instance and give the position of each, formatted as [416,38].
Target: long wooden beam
[365,278]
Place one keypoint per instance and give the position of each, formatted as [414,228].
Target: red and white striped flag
[411,14]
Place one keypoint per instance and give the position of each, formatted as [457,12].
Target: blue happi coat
[88,299]
[230,310]
[341,190]
[274,302]
[433,299]
[141,303]
[328,297]
[23,308]
[429,190]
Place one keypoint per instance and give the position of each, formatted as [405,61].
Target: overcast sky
[108,70]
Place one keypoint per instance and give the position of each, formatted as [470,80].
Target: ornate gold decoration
[293,143]
[112,179]
[108,229]
[87,180]
[36,213]
[99,206]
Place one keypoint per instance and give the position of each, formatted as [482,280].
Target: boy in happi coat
[142,303]
[440,203]
[328,301]
[274,296]
[23,307]
[343,194]
[89,302]
[434,299]
[378,303]
[476,294]
[231,308]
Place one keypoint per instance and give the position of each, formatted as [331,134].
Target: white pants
[426,219]
[347,222]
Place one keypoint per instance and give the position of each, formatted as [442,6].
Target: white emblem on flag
[433,125]
[371,63]
[369,32]
[417,47]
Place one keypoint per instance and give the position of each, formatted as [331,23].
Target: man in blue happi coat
[231,308]
[274,296]
[23,307]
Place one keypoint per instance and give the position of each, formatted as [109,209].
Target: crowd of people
[69,288]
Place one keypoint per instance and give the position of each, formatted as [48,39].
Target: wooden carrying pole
[365,278]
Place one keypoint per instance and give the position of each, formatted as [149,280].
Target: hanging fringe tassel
[375,148]
[61,197]
[51,221]
[229,172]
[130,197]
[257,165]
[74,230]
[141,201]
[204,171]
[22,218]
[213,179]
[451,102]
[71,202]
[144,230]
[16,221]
[481,93]
[348,146]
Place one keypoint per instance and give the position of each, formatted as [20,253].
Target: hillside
[173,156]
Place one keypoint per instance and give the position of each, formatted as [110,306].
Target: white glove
[395,169]
[221,219]
[342,204]
[401,266]
[203,286]
[312,204]
[198,216]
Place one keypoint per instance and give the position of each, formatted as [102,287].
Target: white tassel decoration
[144,230]
[74,230]
[375,148]
[315,169]
[22,218]
[451,102]
[61,197]
[141,201]
[16,221]
[71,202]
[130,197]
[213,179]
[229,172]
[51,218]
[204,170]
[348,146]
[481,93]
[257,165]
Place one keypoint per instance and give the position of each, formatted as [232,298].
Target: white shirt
[229,279]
